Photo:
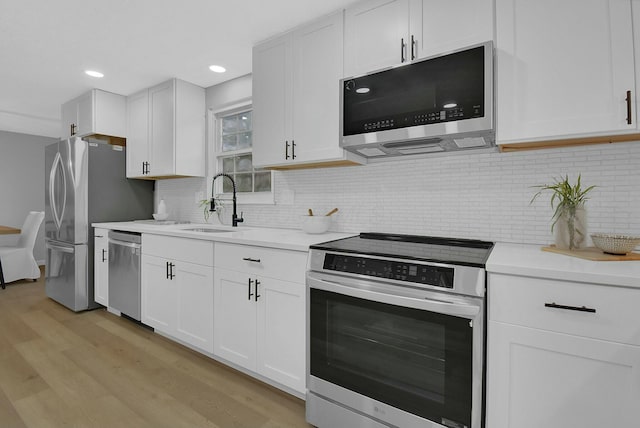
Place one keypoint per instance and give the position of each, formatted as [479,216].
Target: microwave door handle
[432,305]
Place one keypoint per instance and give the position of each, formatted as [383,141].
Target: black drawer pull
[249,259]
[570,308]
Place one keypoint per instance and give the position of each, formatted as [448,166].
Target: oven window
[415,360]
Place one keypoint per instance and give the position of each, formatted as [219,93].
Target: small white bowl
[615,244]
[316,223]
[160,216]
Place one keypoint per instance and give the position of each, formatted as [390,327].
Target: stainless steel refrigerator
[85,183]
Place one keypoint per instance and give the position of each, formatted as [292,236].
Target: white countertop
[530,260]
[288,239]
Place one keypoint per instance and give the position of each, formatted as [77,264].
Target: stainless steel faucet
[234,218]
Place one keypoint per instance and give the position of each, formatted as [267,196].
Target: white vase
[570,231]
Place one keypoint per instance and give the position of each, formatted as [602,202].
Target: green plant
[565,198]
[205,204]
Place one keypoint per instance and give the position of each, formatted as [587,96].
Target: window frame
[215,142]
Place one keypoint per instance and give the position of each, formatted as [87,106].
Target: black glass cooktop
[465,252]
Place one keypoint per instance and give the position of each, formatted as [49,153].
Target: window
[234,141]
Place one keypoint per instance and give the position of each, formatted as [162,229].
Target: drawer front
[588,310]
[286,265]
[184,249]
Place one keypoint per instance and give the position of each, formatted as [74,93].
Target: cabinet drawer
[184,249]
[534,302]
[286,265]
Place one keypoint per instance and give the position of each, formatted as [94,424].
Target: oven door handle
[428,303]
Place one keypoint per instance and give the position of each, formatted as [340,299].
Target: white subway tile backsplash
[482,196]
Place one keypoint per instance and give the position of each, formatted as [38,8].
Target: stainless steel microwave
[439,104]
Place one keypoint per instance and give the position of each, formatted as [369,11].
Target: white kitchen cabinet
[101,267]
[296,96]
[564,70]
[177,288]
[166,128]
[384,33]
[94,113]
[259,318]
[552,362]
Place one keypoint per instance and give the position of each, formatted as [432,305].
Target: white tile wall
[484,196]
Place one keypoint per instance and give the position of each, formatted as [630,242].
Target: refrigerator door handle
[57,165]
[62,249]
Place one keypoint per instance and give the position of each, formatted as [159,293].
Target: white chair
[17,261]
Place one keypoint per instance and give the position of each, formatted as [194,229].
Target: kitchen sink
[207,229]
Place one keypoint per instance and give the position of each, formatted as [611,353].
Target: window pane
[244,182]
[229,124]
[263,182]
[227,165]
[229,142]
[227,187]
[243,163]
[244,140]
[244,121]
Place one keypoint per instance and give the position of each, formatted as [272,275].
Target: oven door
[402,356]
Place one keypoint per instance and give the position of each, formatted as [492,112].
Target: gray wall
[22,183]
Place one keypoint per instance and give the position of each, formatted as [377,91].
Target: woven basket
[615,244]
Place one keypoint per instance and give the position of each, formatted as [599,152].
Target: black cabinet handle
[402,45]
[628,100]
[250,294]
[171,274]
[257,295]
[293,149]
[103,253]
[570,308]
[167,269]
[286,149]
[73,129]
[249,259]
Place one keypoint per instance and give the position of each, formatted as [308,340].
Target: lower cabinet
[561,354]
[259,324]
[101,267]
[177,296]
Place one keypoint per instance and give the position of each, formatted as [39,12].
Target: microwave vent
[370,152]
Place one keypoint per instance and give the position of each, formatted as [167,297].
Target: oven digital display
[390,269]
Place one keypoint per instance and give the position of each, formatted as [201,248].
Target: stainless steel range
[396,332]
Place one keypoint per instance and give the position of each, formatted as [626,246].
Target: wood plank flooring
[94,369]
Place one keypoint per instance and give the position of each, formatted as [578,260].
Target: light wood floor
[94,369]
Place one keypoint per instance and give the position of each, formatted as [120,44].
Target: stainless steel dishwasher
[124,272]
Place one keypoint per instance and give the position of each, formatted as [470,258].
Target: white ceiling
[45,46]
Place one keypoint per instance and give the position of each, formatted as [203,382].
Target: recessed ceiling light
[450,105]
[93,73]
[363,90]
[217,68]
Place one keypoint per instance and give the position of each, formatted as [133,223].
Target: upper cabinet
[296,97]
[565,72]
[166,129]
[384,33]
[94,113]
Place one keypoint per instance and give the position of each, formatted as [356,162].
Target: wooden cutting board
[593,253]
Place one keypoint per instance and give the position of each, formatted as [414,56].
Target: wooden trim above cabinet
[548,144]
[329,164]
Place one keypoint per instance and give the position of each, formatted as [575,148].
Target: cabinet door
[158,295]
[281,332]
[438,27]
[234,318]
[161,129]
[563,69]
[317,64]
[272,98]
[69,114]
[376,35]
[137,133]
[538,378]
[194,289]
[101,267]
[86,112]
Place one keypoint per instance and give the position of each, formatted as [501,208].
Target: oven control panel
[390,269]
